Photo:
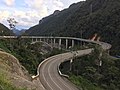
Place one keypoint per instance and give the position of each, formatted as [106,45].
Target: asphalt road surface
[49,75]
[48,72]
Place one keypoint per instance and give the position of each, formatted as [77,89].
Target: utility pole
[81,37]
[91,8]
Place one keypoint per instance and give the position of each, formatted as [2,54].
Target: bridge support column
[72,43]
[83,43]
[60,43]
[51,41]
[32,40]
[47,40]
[36,40]
[40,39]
[78,43]
[66,43]
[54,42]
[44,40]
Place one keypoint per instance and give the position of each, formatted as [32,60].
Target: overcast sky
[29,12]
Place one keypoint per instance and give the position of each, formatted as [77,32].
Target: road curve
[47,70]
[48,73]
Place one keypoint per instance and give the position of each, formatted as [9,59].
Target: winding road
[48,70]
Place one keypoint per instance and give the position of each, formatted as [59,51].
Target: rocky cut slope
[15,75]
[84,18]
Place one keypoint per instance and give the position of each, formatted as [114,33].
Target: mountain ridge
[86,19]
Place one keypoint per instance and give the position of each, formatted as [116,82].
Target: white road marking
[66,85]
[53,60]
[50,75]
[45,79]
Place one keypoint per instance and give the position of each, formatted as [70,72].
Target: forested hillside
[84,18]
[5,31]
[94,71]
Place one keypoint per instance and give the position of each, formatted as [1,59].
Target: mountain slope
[5,31]
[53,22]
[86,18]
[18,32]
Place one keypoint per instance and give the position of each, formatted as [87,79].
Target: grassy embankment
[5,84]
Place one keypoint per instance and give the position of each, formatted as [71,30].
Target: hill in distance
[84,18]
[4,31]
[18,32]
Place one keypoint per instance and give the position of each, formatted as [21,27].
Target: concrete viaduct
[68,41]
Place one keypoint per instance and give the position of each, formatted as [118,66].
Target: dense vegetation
[29,55]
[87,73]
[86,18]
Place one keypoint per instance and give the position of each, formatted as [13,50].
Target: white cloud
[58,4]
[9,2]
[36,4]
[32,12]
[26,18]
[44,5]
[44,11]
[4,15]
